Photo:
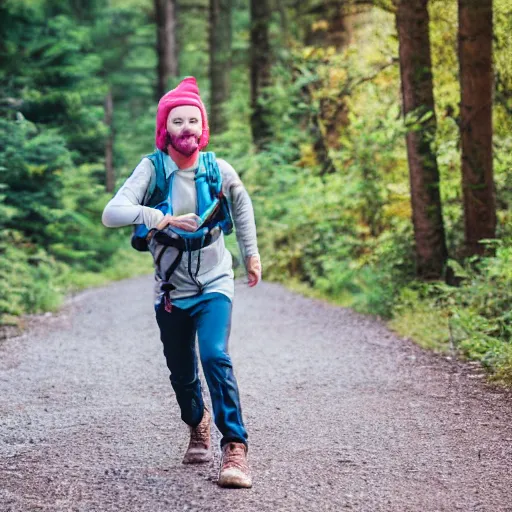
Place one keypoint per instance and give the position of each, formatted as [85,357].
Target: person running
[182,201]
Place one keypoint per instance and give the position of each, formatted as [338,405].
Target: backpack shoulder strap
[151,187]
[213,175]
[159,184]
[214,179]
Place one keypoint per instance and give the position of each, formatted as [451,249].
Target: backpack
[212,205]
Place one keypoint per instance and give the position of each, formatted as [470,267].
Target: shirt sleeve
[126,206]
[241,210]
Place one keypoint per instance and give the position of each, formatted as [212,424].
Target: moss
[424,325]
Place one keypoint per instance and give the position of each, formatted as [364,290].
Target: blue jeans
[211,320]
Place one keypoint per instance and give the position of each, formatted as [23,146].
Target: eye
[176,121]
[194,120]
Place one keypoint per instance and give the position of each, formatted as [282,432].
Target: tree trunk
[167,66]
[476,83]
[336,24]
[110,176]
[285,30]
[334,117]
[220,61]
[260,71]
[412,21]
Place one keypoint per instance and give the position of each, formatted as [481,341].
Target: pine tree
[260,70]
[220,61]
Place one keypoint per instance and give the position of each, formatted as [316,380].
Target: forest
[374,137]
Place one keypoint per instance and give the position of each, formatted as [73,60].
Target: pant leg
[213,322]
[178,335]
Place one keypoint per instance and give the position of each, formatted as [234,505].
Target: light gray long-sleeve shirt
[216,274]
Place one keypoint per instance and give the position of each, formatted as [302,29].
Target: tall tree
[167,67]
[331,23]
[220,61]
[412,22]
[260,70]
[476,83]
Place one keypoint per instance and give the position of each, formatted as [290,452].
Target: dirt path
[341,415]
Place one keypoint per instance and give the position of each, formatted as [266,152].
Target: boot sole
[198,459]
[234,481]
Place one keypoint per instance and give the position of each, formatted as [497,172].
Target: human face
[185,126]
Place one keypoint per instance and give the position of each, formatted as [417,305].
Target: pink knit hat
[186,93]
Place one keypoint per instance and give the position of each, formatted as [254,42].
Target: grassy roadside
[435,329]
[439,326]
[130,263]
[57,282]
[39,284]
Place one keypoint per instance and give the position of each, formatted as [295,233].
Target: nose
[189,126]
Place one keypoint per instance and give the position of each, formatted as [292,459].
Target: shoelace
[234,457]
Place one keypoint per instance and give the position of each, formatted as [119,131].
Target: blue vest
[212,205]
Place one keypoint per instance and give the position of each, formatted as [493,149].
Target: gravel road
[342,414]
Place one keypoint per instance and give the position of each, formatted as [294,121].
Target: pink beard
[186,143]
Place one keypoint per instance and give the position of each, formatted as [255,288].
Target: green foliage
[481,318]
[331,192]
[77,235]
[419,321]
[30,165]
[56,66]
[51,78]
[503,68]
[475,316]
[348,235]
[51,219]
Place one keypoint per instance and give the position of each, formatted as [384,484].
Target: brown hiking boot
[199,449]
[234,471]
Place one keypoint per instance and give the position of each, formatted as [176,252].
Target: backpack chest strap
[169,239]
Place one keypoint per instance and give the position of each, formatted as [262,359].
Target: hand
[187,222]
[254,270]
